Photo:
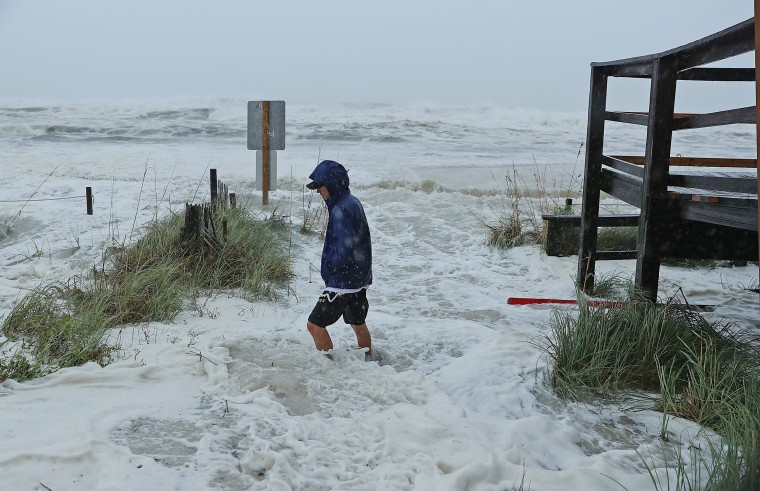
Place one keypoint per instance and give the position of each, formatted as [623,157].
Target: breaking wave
[432,129]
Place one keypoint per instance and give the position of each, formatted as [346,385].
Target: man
[346,260]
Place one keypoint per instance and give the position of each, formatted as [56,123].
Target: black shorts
[331,305]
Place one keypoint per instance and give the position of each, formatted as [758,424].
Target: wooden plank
[683,121]
[689,239]
[622,186]
[714,183]
[623,166]
[731,213]
[592,179]
[729,42]
[743,115]
[615,255]
[622,220]
[627,117]
[718,74]
[695,161]
[636,69]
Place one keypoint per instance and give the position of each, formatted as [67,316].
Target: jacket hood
[331,174]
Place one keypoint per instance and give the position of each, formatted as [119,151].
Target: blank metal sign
[276,125]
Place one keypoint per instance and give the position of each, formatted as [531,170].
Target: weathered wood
[718,74]
[615,255]
[655,183]
[209,219]
[627,117]
[729,42]
[624,166]
[694,161]
[622,186]
[592,179]
[88,196]
[702,74]
[689,239]
[687,214]
[558,224]
[233,200]
[730,210]
[743,115]
[192,221]
[733,212]
[213,185]
[564,221]
[209,229]
[714,182]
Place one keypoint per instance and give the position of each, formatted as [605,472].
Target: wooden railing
[644,181]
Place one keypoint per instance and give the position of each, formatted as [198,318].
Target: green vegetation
[518,222]
[702,371]
[66,324]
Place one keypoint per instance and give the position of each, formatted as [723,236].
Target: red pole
[535,301]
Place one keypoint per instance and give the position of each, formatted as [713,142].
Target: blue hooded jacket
[347,252]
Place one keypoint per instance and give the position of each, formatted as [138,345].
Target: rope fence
[219,195]
[39,199]
[87,196]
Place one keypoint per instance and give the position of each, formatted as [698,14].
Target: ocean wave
[68,130]
[513,134]
[21,111]
[201,113]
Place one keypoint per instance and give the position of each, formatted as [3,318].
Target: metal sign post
[266,134]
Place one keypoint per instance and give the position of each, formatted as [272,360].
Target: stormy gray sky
[526,54]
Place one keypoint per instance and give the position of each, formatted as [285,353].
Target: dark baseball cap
[314,185]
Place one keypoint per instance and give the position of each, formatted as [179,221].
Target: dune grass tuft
[703,371]
[54,332]
[66,324]
[253,258]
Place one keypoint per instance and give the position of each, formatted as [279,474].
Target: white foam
[233,395]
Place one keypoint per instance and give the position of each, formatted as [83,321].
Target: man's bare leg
[363,337]
[321,337]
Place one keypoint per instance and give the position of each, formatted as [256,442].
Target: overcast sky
[526,54]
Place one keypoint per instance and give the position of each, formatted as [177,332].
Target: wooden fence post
[212,178]
[88,193]
[192,221]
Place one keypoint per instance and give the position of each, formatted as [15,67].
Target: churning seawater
[459,401]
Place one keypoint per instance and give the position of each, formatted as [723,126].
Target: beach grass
[704,371]
[518,217]
[65,324]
